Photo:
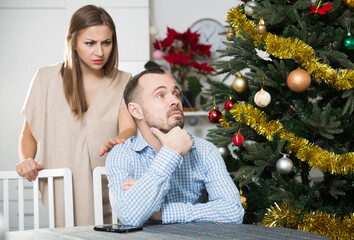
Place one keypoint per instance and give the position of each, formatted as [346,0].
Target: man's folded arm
[224,203]
[136,205]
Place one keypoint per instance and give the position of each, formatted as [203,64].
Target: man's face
[160,102]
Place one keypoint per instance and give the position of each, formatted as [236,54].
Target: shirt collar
[139,143]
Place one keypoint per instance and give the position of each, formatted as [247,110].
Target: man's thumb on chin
[155,131]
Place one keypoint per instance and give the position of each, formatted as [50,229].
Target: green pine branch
[322,123]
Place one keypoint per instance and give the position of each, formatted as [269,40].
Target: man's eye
[177,95]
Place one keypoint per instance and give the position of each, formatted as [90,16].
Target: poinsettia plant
[184,57]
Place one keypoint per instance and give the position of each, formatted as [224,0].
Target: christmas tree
[290,114]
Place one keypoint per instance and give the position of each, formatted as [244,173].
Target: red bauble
[238,139]
[229,104]
[214,115]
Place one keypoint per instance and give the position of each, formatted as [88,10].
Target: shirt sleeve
[224,203]
[136,205]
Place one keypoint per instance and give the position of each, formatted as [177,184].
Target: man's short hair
[130,91]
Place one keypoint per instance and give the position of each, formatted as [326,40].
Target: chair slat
[97,195]
[68,196]
[35,204]
[6,204]
[21,211]
[114,217]
[64,173]
[51,202]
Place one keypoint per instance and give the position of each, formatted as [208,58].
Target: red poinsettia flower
[157,45]
[323,10]
[202,67]
[184,54]
[189,37]
[171,36]
[204,50]
[177,58]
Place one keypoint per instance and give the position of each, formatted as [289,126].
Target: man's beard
[179,121]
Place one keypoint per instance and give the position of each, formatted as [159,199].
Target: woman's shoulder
[122,74]
[50,69]
[120,79]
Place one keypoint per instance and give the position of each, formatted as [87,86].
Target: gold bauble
[261,28]
[229,35]
[349,4]
[299,80]
[262,98]
[240,84]
[243,200]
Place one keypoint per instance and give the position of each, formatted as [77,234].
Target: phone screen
[117,228]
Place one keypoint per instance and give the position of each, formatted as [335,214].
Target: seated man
[162,172]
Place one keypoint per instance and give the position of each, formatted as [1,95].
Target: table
[195,230]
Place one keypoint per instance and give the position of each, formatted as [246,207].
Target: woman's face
[94,47]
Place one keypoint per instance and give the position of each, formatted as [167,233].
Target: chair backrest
[46,173]
[98,172]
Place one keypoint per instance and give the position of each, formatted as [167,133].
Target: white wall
[182,14]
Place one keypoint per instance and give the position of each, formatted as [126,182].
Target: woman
[72,108]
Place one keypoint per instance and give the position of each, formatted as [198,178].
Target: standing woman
[72,109]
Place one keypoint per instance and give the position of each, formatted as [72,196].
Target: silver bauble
[284,164]
[193,121]
[223,151]
[249,7]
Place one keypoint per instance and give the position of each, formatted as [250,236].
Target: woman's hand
[110,144]
[29,168]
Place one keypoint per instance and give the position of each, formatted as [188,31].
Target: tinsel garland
[287,48]
[300,147]
[349,4]
[324,224]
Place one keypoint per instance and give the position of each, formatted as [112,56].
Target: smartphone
[116,228]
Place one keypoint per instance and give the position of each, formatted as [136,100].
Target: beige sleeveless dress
[64,141]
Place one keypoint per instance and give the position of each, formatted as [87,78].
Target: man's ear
[135,110]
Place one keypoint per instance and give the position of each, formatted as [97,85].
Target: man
[162,172]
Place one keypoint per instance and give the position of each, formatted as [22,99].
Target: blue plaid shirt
[172,183]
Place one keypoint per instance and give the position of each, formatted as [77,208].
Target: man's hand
[28,168]
[109,145]
[177,139]
[126,185]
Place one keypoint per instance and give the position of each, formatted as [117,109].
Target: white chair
[46,173]
[98,172]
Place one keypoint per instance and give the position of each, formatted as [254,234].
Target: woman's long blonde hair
[84,17]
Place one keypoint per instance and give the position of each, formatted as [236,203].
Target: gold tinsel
[300,147]
[349,4]
[287,48]
[324,224]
